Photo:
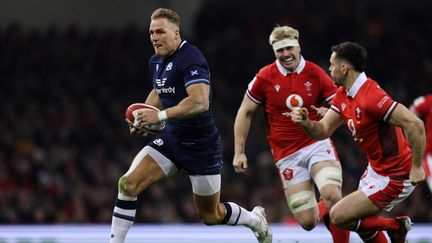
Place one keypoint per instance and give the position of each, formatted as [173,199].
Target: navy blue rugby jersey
[171,76]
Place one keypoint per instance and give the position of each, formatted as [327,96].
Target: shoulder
[340,93]
[313,69]
[188,51]
[268,71]
[155,59]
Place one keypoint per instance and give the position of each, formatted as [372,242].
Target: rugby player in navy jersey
[190,141]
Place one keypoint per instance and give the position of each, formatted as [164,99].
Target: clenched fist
[299,115]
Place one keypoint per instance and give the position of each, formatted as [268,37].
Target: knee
[209,219]
[331,196]
[127,187]
[308,224]
[338,218]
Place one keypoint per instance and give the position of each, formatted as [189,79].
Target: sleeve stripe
[330,97]
[333,107]
[390,111]
[195,81]
[252,98]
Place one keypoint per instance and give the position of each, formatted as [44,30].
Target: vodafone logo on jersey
[294,101]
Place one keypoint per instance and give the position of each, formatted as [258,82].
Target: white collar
[181,44]
[285,71]
[361,79]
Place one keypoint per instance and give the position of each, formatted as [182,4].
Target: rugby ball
[131,114]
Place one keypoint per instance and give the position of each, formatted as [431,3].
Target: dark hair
[353,53]
[168,14]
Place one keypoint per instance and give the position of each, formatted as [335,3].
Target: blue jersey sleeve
[194,68]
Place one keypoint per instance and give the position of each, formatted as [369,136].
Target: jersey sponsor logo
[288,174]
[277,87]
[293,101]
[169,66]
[168,90]
[161,82]
[158,142]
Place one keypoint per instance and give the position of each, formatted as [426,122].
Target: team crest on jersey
[288,174]
[358,113]
[158,142]
[157,67]
[277,87]
[169,66]
[343,106]
[308,86]
[294,101]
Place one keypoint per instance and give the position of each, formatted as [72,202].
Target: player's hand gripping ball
[150,129]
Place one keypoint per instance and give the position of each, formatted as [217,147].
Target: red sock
[378,237]
[339,235]
[323,210]
[372,223]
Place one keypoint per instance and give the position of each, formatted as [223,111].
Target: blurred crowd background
[64,90]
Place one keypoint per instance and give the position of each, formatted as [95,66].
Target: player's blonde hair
[168,14]
[283,32]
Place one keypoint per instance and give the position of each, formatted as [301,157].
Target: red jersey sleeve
[421,106]
[379,104]
[327,86]
[256,90]
[336,103]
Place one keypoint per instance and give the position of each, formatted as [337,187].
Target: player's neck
[351,78]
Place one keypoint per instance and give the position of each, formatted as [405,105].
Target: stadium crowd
[64,142]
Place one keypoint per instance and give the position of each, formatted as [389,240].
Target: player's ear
[344,68]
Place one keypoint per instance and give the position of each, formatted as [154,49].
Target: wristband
[162,115]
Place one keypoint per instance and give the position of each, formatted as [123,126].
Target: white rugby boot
[264,233]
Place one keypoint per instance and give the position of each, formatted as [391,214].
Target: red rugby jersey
[280,92]
[365,109]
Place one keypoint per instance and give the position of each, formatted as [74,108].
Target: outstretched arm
[415,133]
[241,130]
[317,129]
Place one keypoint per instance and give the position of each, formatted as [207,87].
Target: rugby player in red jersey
[280,87]
[377,123]
[422,107]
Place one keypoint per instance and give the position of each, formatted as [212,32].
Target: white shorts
[202,185]
[295,168]
[384,192]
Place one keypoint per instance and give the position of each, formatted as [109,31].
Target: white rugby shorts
[383,191]
[295,168]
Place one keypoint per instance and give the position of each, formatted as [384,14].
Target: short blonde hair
[168,14]
[283,32]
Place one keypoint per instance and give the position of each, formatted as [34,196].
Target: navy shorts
[196,159]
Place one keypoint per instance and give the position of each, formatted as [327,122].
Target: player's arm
[195,103]
[241,130]
[317,129]
[415,133]
[153,99]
